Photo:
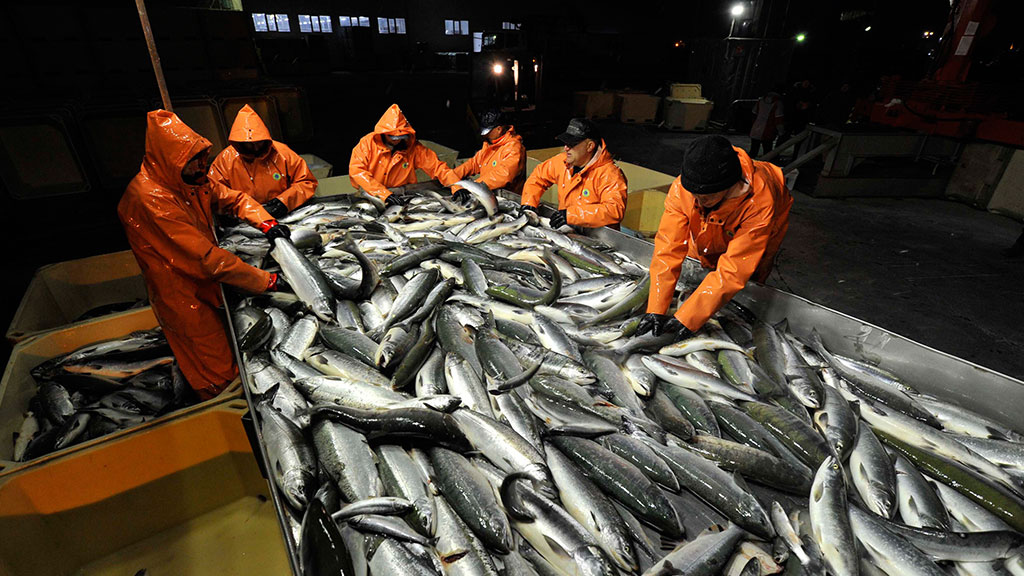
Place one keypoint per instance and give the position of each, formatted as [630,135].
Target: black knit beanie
[710,165]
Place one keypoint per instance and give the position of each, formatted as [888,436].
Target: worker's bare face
[250,151]
[194,172]
[710,200]
[495,133]
[581,153]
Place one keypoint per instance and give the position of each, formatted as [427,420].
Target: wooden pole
[153,56]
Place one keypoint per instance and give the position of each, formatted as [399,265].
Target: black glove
[276,208]
[278,231]
[523,208]
[558,219]
[462,196]
[395,200]
[675,326]
[278,284]
[652,323]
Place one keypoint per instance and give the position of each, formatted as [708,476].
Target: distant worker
[501,161]
[263,168]
[591,188]
[768,118]
[725,210]
[167,216]
[385,160]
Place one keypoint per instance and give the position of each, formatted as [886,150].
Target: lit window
[511,26]
[259,21]
[283,25]
[304,25]
[478,41]
[364,21]
[391,25]
[456,27]
[345,21]
[325,24]
[316,23]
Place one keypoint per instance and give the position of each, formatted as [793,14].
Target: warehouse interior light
[737,10]
[498,69]
[801,37]
[868,29]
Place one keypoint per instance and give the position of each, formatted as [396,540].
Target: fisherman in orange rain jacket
[385,160]
[729,212]
[167,216]
[501,161]
[591,188]
[263,168]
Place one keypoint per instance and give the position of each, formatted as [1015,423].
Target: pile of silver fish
[452,389]
[98,389]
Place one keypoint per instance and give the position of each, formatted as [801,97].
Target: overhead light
[928,34]
[801,37]
[868,29]
[737,10]
[498,69]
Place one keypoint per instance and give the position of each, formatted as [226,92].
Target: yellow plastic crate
[60,293]
[184,497]
[18,386]
[637,108]
[593,104]
[644,209]
[684,91]
[687,113]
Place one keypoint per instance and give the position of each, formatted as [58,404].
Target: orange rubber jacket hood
[501,164]
[280,173]
[374,167]
[593,197]
[169,225]
[738,241]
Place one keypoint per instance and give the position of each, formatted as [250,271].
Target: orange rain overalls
[500,164]
[280,173]
[375,168]
[169,225]
[593,197]
[738,241]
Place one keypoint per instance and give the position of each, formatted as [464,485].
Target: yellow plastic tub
[185,497]
[60,293]
[18,386]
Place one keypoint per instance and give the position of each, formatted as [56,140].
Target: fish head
[299,487]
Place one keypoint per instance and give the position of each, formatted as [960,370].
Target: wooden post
[153,56]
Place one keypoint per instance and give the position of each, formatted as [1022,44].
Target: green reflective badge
[586,192]
[405,165]
[494,162]
[277,175]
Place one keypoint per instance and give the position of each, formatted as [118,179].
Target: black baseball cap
[580,129]
[490,120]
[709,165]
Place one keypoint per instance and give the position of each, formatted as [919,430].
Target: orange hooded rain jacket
[500,164]
[281,173]
[737,241]
[375,168]
[593,197]
[169,227]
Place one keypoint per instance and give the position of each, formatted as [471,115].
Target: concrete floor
[928,269]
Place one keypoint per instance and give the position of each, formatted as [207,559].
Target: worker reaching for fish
[384,161]
[262,167]
[166,212]
[725,210]
[591,188]
[501,161]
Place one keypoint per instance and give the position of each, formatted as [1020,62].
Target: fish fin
[268,395]
[741,482]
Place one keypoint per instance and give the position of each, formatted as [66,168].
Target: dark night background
[86,66]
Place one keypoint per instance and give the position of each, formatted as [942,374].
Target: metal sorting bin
[929,370]
[18,386]
[60,293]
[184,497]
